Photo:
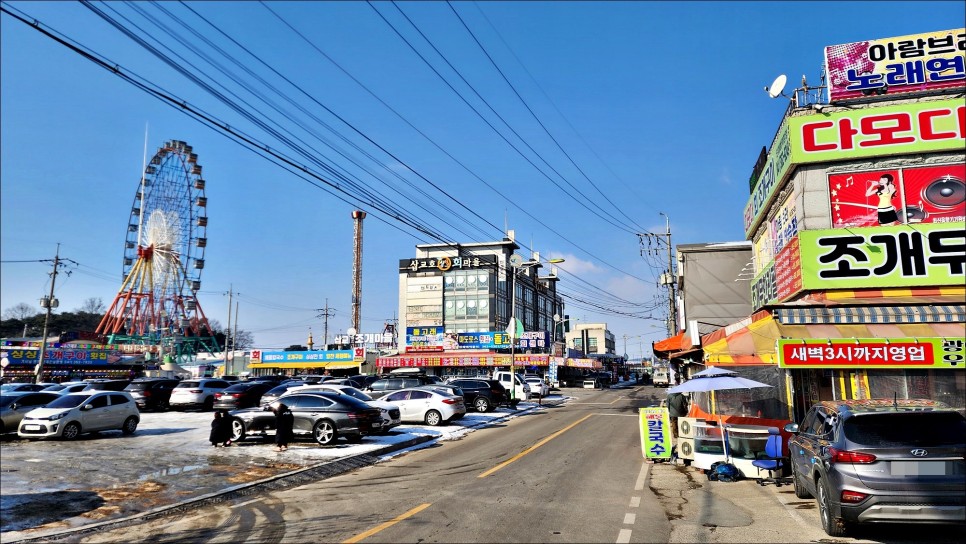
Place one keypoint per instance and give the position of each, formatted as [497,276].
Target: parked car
[362,380]
[390,412]
[197,393]
[384,386]
[482,394]
[104,384]
[517,388]
[898,461]
[65,387]
[15,404]
[269,396]
[72,414]
[229,378]
[538,387]
[323,415]
[429,405]
[152,393]
[242,395]
[11,387]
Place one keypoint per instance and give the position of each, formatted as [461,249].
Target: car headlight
[55,417]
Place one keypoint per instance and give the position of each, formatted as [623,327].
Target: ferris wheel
[164,255]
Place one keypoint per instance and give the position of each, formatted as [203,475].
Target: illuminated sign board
[922,353]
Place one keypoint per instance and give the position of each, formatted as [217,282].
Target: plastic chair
[771,460]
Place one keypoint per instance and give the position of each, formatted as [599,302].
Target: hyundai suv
[152,393]
[384,386]
[866,461]
[482,394]
[197,393]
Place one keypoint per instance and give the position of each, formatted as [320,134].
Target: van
[661,377]
[521,390]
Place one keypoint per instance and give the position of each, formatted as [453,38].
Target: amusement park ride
[164,254]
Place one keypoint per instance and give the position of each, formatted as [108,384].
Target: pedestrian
[284,421]
[677,406]
[220,429]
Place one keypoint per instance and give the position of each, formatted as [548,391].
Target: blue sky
[619,111]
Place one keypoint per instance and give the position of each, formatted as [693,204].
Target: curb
[284,480]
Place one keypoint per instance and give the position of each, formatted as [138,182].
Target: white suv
[72,414]
[198,393]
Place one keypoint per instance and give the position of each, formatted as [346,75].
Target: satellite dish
[516,260]
[777,86]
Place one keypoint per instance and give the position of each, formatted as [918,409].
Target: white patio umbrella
[716,382]
[714,371]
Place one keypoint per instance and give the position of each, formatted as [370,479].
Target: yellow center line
[533,447]
[388,524]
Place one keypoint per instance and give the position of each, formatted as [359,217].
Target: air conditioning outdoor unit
[686,447]
[686,426]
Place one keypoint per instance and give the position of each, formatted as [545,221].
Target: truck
[661,377]
[520,390]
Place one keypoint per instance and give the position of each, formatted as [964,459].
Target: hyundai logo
[920,453]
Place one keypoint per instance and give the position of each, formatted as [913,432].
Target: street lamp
[516,263]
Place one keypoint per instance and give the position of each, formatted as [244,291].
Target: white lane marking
[635,502]
[642,477]
[629,519]
[244,503]
[624,537]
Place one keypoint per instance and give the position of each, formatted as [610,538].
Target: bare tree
[244,340]
[93,305]
[20,311]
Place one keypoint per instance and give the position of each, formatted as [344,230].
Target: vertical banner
[655,433]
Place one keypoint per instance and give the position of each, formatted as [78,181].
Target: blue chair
[771,460]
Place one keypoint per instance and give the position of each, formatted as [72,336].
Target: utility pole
[325,314]
[234,337]
[228,328]
[48,302]
[658,242]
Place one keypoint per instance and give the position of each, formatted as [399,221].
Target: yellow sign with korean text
[655,433]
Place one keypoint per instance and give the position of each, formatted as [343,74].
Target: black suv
[384,386]
[890,460]
[484,395]
[152,393]
[242,394]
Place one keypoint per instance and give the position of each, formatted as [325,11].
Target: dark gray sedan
[15,404]
[325,416]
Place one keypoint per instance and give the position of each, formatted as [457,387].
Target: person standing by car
[677,406]
[284,423]
[220,429]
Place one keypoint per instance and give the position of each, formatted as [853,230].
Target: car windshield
[238,388]
[353,392]
[69,401]
[902,429]
[187,385]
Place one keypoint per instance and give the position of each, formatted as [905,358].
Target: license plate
[920,468]
[31,427]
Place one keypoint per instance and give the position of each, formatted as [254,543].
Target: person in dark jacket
[220,429]
[677,406]
[284,421]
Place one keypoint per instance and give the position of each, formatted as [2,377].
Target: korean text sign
[655,433]
[872,353]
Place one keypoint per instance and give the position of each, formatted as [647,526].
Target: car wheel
[482,404]
[833,526]
[71,431]
[324,432]
[433,418]
[163,406]
[130,425]
[800,490]
[237,430]
[208,405]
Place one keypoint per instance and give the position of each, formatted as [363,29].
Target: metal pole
[50,303]
[228,329]
[513,339]
[234,336]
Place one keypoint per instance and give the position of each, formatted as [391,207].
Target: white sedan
[390,411]
[433,406]
[538,387]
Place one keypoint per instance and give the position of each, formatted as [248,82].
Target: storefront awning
[882,297]
[871,314]
[750,341]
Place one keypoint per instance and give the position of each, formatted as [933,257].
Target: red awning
[679,342]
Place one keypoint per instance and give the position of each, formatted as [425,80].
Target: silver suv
[198,393]
[867,461]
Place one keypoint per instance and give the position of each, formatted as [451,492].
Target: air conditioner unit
[686,426]
[685,448]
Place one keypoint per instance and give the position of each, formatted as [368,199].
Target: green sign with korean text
[655,433]
[907,353]
[926,254]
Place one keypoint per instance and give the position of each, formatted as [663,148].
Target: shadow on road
[27,510]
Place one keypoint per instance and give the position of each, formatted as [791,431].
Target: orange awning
[671,344]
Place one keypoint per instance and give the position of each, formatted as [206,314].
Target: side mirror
[88,407]
[791,428]
[14,406]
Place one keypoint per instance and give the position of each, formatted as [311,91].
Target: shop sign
[63,356]
[922,353]
[927,254]
[444,264]
[655,433]
[891,66]
[920,127]
[270,357]
[424,339]
[483,340]
[777,165]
